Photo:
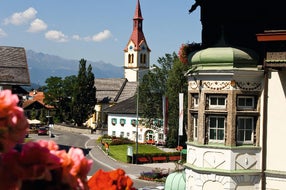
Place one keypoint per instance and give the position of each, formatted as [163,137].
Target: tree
[91,91]
[166,79]
[54,93]
[153,88]
[69,86]
[84,94]
[176,83]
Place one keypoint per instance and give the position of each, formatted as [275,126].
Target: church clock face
[130,47]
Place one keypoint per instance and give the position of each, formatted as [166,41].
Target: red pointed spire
[137,36]
[138,14]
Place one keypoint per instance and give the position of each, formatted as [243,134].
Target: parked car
[43,131]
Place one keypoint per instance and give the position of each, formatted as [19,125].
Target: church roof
[114,90]
[137,36]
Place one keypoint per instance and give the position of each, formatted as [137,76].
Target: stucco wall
[276,126]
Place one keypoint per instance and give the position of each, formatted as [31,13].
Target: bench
[143,160]
[159,158]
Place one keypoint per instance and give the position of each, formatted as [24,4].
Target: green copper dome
[224,58]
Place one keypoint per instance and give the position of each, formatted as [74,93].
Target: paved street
[103,161]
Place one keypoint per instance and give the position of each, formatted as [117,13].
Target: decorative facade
[236,98]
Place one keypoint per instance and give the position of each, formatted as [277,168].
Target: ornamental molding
[217,85]
[225,85]
[249,86]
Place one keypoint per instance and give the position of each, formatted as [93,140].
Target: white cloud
[20,18]
[37,25]
[56,36]
[2,33]
[76,37]
[102,36]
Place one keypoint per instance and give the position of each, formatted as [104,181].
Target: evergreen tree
[91,91]
[84,96]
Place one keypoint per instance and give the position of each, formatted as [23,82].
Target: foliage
[119,141]
[72,97]
[177,83]
[167,79]
[153,88]
[84,94]
[186,49]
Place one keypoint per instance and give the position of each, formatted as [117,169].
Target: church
[117,112]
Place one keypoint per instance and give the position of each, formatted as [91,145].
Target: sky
[97,30]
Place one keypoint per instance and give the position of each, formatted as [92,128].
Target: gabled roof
[128,106]
[13,66]
[30,104]
[113,90]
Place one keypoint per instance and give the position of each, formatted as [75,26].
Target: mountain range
[42,66]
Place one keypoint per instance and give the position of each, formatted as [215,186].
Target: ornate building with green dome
[236,98]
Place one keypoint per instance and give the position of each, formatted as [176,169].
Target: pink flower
[13,123]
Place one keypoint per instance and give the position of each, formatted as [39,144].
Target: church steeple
[136,52]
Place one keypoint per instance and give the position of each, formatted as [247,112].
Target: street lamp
[137,106]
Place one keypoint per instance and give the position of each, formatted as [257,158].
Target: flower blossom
[112,180]
[13,123]
[41,164]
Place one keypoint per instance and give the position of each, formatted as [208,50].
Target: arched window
[142,58]
[130,58]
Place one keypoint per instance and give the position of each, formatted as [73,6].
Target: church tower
[136,52]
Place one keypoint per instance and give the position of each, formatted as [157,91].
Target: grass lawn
[119,152]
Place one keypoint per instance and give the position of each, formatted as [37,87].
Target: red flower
[113,180]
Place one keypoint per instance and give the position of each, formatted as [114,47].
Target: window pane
[248,135]
[221,101]
[212,134]
[249,102]
[240,124]
[220,122]
[248,123]
[240,135]
[212,122]
[220,134]
[241,101]
[213,101]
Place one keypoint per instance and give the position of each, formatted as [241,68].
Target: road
[65,140]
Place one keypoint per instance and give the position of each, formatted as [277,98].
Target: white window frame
[216,128]
[195,124]
[244,130]
[122,134]
[217,106]
[245,107]
[114,133]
